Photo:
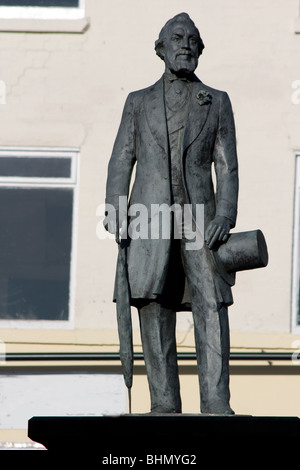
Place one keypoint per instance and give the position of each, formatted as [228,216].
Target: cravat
[177,94]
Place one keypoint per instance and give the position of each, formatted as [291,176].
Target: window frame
[53,183]
[40,153]
[295,327]
[43,13]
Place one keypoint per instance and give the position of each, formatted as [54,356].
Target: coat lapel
[156,114]
[196,117]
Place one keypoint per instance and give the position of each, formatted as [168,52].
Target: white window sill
[297,25]
[44,26]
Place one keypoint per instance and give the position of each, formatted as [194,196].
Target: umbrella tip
[129,399]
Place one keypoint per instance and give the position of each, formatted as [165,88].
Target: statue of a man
[174,132]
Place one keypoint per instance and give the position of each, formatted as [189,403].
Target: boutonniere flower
[204,97]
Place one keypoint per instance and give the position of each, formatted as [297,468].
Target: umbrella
[124,318]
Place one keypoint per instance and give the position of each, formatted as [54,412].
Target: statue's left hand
[217,230]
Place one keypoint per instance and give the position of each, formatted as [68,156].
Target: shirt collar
[171,77]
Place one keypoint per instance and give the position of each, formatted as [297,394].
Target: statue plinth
[176,434]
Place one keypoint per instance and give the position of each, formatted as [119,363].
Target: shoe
[218,410]
[161,410]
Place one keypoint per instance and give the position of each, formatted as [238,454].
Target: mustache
[186,53]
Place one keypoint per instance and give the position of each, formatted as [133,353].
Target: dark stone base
[163,436]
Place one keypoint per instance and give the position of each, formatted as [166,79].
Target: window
[42,9]
[40,3]
[296,254]
[37,213]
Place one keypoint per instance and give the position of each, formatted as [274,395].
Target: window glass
[35,167]
[35,236]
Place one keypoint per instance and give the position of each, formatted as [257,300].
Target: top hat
[242,251]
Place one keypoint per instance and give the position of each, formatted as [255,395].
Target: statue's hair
[181,17]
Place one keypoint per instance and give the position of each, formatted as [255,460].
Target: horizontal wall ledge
[44,26]
[108,356]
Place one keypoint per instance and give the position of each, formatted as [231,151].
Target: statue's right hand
[111,222]
[115,223]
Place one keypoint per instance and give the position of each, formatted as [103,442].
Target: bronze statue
[175,132]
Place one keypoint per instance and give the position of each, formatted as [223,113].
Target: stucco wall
[68,90]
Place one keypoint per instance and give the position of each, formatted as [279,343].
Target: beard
[182,63]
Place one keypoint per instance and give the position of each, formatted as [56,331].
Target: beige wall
[68,90]
[256,389]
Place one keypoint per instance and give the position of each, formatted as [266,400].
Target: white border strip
[296,251]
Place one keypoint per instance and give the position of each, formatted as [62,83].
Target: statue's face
[180,48]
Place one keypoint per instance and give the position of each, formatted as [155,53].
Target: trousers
[211,331]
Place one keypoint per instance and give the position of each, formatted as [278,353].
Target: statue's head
[179,44]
